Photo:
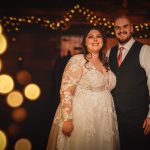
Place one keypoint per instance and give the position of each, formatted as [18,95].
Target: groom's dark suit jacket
[131,95]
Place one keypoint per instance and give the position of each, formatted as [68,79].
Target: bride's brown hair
[102,55]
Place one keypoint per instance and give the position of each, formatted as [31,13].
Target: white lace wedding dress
[85,98]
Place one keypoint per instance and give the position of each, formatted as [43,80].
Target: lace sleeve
[70,79]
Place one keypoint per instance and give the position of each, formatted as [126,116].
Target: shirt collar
[128,45]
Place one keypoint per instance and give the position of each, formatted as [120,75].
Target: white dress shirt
[144,60]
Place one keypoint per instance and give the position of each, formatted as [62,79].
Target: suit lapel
[128,56]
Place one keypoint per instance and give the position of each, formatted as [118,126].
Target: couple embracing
[104,103]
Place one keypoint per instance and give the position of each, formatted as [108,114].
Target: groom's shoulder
[114,47]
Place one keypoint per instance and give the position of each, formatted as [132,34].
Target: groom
[130,61]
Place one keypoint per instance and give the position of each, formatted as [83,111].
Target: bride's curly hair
[102,55]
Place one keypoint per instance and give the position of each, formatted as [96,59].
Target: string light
[14,23]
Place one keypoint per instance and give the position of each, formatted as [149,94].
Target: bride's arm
[70,79]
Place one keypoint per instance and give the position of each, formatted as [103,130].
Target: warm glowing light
[91,21]
[0,64]
[3,140]
[72,11]
[104,19]
[112,33]
[0,29]
[16,29]
[14,23]
[32,91]
[136,27]
[3,44]
[15,99]
[80,10]
[23,77]
[23,144]
[14,39]
[19,114]
[6,84]
[58,24]
[146,24]
[66,19]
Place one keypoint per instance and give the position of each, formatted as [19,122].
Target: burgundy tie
[120,56]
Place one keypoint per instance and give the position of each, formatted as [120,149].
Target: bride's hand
[67,127]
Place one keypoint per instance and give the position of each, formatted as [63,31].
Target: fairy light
[13,23]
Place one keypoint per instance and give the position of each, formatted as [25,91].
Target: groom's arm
[145,63]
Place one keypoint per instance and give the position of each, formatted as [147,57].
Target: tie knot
[121,49]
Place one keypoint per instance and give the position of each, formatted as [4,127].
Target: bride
[85,118]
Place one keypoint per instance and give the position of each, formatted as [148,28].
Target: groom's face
[123,30]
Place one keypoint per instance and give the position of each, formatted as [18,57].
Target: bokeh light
[0,29]
[23,144]
[15,99]
[23,77]
[6,84]
[65,21]
[32,91]
[3,44]
[0,65]
[3,140]
[19,114]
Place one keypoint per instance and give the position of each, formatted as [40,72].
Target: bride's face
[94,41]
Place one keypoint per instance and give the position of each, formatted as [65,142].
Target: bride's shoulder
[111,73]
[78,56]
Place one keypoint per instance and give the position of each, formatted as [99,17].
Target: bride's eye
[90,37]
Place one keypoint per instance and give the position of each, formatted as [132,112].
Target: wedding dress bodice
[82,78]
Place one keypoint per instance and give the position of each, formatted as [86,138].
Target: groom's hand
[146,126]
